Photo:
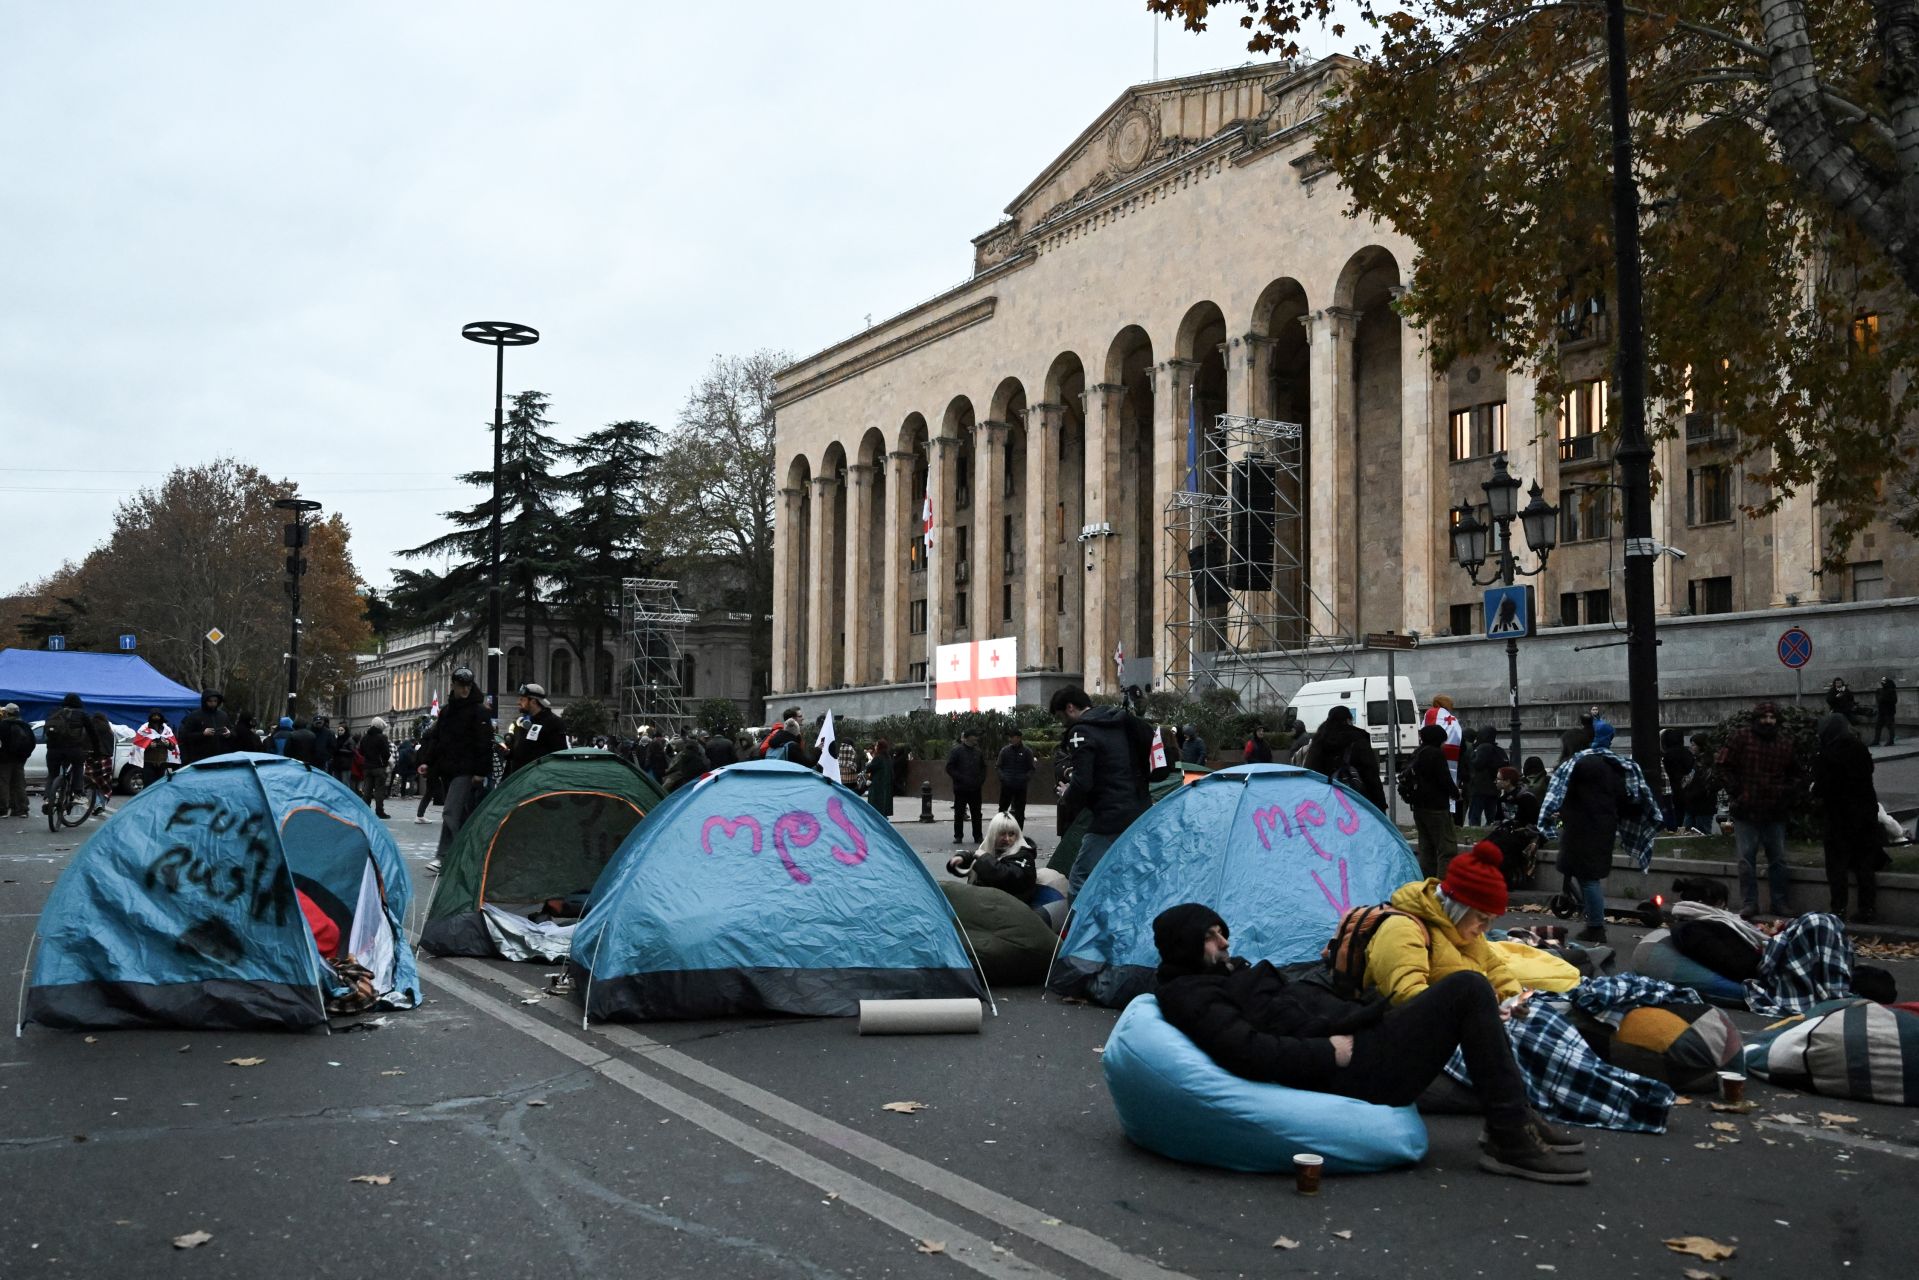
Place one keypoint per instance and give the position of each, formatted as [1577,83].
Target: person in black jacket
[1015,767]
[1264,1024]
[1344,752]
[206,732]
[293,740]
[1480,779]
[541,731]
[1109,752]
[1855,846]
[1885,706]
[461,754]
[1676,762]
[16,748]
[68,738]
[376,757]
[1432,802]
[324,741]
[246,734]
[720,750]
[967,768]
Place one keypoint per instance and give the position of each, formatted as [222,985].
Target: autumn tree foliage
[1777,149]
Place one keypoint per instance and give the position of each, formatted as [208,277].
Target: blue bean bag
[1174,1099]
[1656,957]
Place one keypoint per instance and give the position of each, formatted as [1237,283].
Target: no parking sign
[1795,648]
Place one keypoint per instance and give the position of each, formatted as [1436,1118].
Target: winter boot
[1556,1140]
[1521,1154]
[1591,933]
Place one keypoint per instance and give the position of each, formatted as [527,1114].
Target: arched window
[516,671]
[559,681]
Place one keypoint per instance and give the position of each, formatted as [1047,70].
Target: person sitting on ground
[1344,752]
[1265,1024]
[1516,830]
[1533,776]
[1443,930]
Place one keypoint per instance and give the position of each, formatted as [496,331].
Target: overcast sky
[255,229]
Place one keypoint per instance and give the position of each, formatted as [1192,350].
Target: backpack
[1345,956]
[67,730]
[780,752]
[1347,774]
[16,739]
[1406,782]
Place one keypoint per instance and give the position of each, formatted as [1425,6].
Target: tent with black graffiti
[1279,851]
[764,887]
[229,895]
[545,833]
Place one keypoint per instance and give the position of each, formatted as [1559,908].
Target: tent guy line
[964,1247]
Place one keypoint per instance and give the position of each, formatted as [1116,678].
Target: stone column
[1099,561]
[1332,466]
[860,604]
[789,644]
[1422,470]
[1795,551]
[1043,425]
[824,641]
[1172,601]
[989,504]
[942,481]
[898,533]
[1532,439]
[1249,376]
[1668,508]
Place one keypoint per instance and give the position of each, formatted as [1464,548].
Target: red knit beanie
[1474,878]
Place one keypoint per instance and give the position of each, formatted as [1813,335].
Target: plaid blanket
[1808,961]
[1568,1082]
[1636,830]
[1617,993]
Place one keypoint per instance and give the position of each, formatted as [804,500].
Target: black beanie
[1180,934]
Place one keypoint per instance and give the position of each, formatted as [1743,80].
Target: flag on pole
[1159,748]
[434,710]
[827,743]
[926,521]
[1192,439]
[1119,659]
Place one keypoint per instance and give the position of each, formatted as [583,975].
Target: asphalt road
[521,1144]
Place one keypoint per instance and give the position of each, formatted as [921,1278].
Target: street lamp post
[1539,520]
[498,334]
[296,541]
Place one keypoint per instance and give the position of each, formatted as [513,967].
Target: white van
[1366,695]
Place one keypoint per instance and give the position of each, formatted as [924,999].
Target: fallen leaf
[531,1000]
[1701,1247]
[1738,1108]
[1544,1266]
[372,1179]
[393,1073]
[1072,1000]
[96,1040]
[192,1239]
[1682,1101]
[1784,1117]
[536,1102]
[1703,1146]
[1051,1222]
[904,1108]
[244,1062]
[185,1048]
[1344,1235]
[1694,1273]
[1285,1242]
[832,1195]
[1724,1126]
[1834,1118]
[931,1246]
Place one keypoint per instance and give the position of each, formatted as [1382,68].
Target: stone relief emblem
[1132,138]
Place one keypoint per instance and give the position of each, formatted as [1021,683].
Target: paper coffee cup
[1732,1086]
[1306,1173]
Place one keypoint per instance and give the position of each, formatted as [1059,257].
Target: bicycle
[71,798]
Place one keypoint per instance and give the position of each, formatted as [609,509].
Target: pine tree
[612,493]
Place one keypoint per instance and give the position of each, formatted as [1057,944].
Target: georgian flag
[926,521]
[1119,659]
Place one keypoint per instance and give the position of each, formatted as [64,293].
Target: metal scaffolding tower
[653,644]
[1245,614]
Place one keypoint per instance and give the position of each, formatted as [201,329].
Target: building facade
[1190,255]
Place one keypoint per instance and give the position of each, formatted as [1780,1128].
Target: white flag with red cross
[978,676]
[926,521]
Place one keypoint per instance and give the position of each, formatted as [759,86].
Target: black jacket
[294,744]
[1886,699]
[376,749]
[1842,777]
[324,740]
[1016,764]
[541,736]
[720,751]
[1334,744]
[1110,753]
[1596,798]
[194,742]
[16,740]
[689,762]
[462,744]
[1436,789]
[1254,1020]
[1488,759]
[966,767]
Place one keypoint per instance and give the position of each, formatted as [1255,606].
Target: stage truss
[653,648]
[1244,613]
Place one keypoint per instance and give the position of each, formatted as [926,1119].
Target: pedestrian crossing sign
[1509,612]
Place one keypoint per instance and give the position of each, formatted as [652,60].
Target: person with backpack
[69,738]
[159,749]
[1288,1028]
[101,742]
[1482,781]
[1108,754]
[1427,786]
[1599,797]
[16,748]
[205,732]
[783,742]
[1432,928]
[1344,752]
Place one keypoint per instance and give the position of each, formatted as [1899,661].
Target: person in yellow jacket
[1443,931]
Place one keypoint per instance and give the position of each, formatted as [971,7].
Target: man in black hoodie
[206,732]
[1260,1023]
[1434,792]
[1109,751]
[462,755]
[1344,752]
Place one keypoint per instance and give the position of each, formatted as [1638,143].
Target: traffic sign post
[1392,643]
[128,643]
[1795,651]
[56,644]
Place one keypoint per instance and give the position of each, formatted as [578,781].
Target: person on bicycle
[100,744]
[69,738]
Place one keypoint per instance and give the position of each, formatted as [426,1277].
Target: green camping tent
[545,832]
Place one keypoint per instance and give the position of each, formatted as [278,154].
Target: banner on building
[978,676]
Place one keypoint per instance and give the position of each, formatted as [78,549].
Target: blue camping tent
[1280,852]
[123,685]
[190,906]
[764,886]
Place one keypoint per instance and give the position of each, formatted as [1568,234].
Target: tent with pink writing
[764,887]
[1280,852]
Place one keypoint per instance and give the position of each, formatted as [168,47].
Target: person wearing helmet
[540,731]
[205,732]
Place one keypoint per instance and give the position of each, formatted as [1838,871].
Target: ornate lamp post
[498,334]
[1472,541]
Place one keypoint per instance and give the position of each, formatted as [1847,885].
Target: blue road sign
[1795,648]
[1509,612]
[56,644]
[128,643]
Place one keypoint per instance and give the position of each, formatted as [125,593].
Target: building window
[1708,495]
[1010,487]
[1865,332]
[916,618]
[1585,515]
[1868,580]
[1059,594]
[516,672]
[1582,419]
[1007,560]
[1709,595]
[916,672]
[1479,431]
[959,609]
[963,482]
[918,554]
[1006,602]
[1569,608]
[1461,623]
[1598,606]
[560,678]
[963,543]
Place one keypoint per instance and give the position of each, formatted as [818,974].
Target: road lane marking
[902,1215]
[1094,1251]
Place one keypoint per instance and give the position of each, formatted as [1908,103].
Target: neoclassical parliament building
[1189,255]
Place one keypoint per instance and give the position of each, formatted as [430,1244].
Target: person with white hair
[376,765]
[1008,860]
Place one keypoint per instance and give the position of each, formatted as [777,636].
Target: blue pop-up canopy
[765,887]
[123,685]
[191,906]
[1280,852]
